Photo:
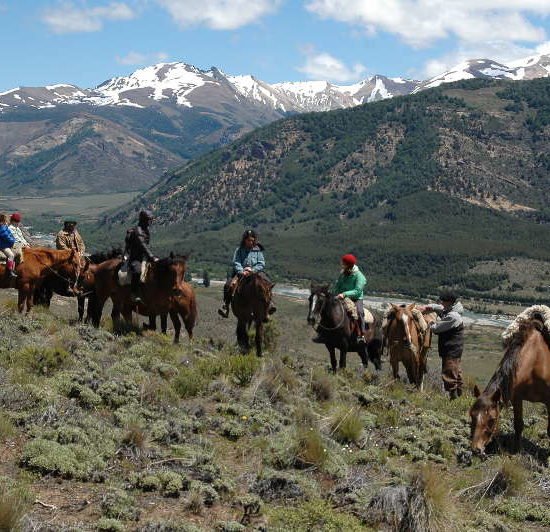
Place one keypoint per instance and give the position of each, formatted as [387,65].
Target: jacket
[137,243]
[450,330]
[248,258]
[7,240]
[66,240]
[352,285]
[18,235]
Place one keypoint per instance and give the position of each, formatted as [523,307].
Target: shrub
[242,368]
[310,448]
[188,383]
[7,430]
[321,385]
[44,360]
[117,504]
[346,426]
[14,502]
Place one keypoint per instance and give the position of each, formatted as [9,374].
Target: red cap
[349,259]
[15,217]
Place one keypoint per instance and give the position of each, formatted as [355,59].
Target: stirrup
[361,339]
[223,312]
[272,310]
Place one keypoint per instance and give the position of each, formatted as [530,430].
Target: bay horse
[522,375]
[38,263]
[54,284]
[183,305]
[407,344]
[164,292]
[337,330]
[250,304]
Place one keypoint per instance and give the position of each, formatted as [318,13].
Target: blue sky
[85,42]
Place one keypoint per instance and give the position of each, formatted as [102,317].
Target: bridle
[66,279]
[325,298]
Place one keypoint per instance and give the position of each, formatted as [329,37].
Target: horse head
[171,271]
[319,295]
[484,416]
[403,317]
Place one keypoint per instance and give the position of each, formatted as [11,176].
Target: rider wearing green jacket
[350,285]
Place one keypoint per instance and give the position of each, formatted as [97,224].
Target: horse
[38,263]
[522,375]
[183,305]
[407,343]
[337,330]
[55,284]
[250,304]
[164,292]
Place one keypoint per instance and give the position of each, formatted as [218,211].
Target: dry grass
[321,385]
[346,425]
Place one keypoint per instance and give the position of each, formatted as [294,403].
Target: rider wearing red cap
[21,239]
[351,284]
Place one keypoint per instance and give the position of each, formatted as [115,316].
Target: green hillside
[423,188]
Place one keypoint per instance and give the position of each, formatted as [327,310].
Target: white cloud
[422,22]
[218,14]
[137,58]
[68,18]
[321,66]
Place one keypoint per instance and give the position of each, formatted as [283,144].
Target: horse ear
[411,306]
[272,285]
[477,392]
[395,308]
[495,398]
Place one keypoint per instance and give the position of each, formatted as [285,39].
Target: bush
[242,368]
[14,502]
[7,430]
[44,360]
[310,448]
[188,383]
[346,426]
[321,385]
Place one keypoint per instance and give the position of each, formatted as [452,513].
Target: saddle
[124,273]
[17,252]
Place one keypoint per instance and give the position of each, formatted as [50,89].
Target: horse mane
[101,256]
[165,263]
[503,377]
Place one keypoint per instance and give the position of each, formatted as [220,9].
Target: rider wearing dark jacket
[137,250]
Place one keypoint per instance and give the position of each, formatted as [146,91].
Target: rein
[67,280]
[342,321]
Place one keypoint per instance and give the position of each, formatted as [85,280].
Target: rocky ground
[128,432]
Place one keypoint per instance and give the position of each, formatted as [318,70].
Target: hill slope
[422,188]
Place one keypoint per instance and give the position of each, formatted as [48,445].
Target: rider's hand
[340,296]
[247,272]
[155,259]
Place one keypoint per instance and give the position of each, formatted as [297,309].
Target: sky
[85,42]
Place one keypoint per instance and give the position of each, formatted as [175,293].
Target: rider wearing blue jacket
[247,259]
[7,241]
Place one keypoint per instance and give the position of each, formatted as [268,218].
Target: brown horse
[522,375]
[164,292]
[337,330]
[407,344]
[250,304]
[183,305]
[38,263]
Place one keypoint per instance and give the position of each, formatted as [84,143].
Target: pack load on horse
[342,324]
[523,374]
[137,253]
[7,242]
[248,291]
[450,340]
[408,338]
[248,259]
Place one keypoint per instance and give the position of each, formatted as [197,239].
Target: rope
[341,322]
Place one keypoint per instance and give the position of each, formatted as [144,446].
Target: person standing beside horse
[450,342]
[247,260]
[7,241]
[138,252]
[349,287]
[69,238]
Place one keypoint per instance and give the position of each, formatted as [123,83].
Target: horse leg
[21,295]
[332,353]
[177,324]
[189,322]
[164,322]
[548,410]
[394,365]
[343,355]
[259,337]
[80,305]
[374,353]
[362,352]
[152,325]
[518,423]
[412,374]
[242,336]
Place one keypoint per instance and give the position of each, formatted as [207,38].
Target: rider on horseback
[7,241]
[137,249]
[69,238]
[349,288]
[247,259]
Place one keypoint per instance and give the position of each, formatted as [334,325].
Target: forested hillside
[423,188]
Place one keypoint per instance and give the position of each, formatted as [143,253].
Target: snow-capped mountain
[188,86]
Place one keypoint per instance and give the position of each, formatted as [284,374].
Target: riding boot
[224,311]
[135,287]
[10,266]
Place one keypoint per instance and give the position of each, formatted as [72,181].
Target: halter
[56,273]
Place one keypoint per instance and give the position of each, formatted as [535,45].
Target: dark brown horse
[337,330]
[407,344]
[522,375]
[164,292]
[37,264]
[250,304]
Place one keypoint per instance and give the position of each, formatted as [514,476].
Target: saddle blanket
[351,309]
[18,253]
[125,273]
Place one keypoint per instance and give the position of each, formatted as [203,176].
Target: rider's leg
[360,320]
[10,261]
[135,281]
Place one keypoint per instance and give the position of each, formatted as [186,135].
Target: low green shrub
[43,360]
[347,425]
[242,368]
